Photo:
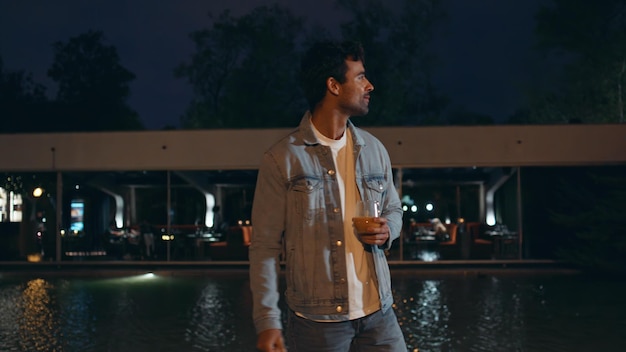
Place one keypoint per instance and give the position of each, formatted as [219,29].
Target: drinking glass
[365,212]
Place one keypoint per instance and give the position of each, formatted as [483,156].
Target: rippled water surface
[445,311]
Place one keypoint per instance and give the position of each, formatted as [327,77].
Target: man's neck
[329,122]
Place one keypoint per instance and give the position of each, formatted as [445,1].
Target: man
[338,283]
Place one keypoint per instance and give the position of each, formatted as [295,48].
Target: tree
[22,102]
[588,206]
[591,36]
[93,87]
[244,71]
[398,59]
[468,118]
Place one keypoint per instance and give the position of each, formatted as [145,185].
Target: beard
[360,108]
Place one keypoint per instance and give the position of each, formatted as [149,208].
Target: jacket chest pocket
[307,196]
[374,186]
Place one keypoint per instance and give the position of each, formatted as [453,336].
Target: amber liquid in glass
[361,223]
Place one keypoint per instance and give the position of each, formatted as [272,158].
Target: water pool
[210,311]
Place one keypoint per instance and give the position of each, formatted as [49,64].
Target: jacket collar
[308,136]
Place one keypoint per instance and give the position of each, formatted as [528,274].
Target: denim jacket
[297,208]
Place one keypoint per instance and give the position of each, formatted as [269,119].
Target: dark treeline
[244,71]
[92,91]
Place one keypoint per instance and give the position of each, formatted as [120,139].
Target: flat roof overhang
[241,149]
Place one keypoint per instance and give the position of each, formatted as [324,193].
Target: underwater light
[133,279]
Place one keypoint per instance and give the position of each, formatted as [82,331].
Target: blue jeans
[375,332]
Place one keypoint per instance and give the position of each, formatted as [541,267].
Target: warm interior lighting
[34,258]
[37,192]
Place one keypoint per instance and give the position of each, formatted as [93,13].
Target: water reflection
[508,313]
[423,315]
[76,316]
[219,317]
[37,323]
[498,318]
[452,312]
[209,317]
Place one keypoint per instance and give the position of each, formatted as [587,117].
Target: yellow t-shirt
[362,285]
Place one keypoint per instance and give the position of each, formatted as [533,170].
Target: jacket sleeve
[268,221]
[391,203]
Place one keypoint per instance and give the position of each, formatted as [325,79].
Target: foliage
[20,98]
[590,36]
[244,71]
[398,61]
[93,87]
[589,206]
[462,117]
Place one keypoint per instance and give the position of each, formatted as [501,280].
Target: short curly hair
[324,60]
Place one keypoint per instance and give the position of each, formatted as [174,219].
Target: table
[505,246]
[423,247]
[201,243]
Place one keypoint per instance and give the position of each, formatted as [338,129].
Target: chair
[235,247]
[450,249]
[411,244]
[247,235]
[480,248]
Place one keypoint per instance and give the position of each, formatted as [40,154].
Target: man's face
[354,94]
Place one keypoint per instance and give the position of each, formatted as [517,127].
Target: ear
[332,86]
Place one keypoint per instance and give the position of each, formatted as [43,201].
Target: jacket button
[331,172]
[338,309]
[336,210]
[380,186]
[339,243]
[342,280]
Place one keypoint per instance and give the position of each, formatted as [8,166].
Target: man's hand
[376,235]
[271,340]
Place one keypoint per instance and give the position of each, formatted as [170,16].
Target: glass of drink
[365,212]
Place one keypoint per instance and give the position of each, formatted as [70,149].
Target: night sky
[484,46]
